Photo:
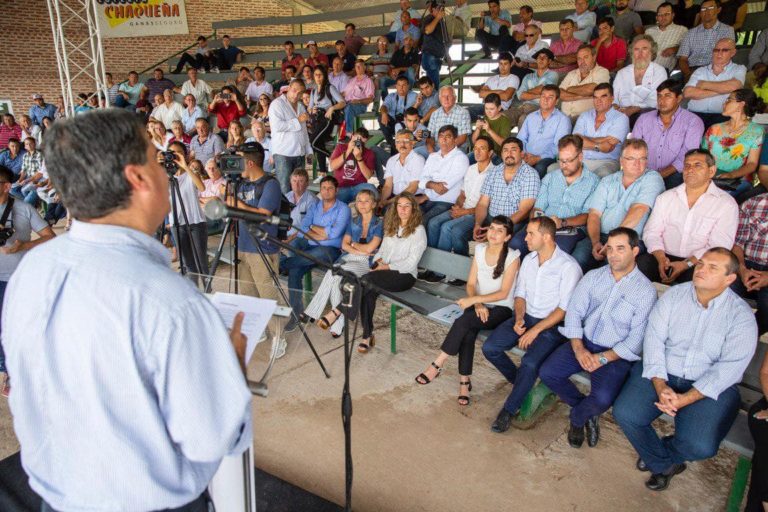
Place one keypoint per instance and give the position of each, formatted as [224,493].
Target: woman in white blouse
[489,286]
[394,266]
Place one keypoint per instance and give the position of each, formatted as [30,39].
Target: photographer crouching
[191,234]
[127,392]
[17,221]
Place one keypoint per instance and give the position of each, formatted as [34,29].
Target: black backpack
[285,208]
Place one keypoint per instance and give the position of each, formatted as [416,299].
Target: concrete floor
[415,449]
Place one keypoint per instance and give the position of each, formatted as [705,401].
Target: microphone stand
[352,288]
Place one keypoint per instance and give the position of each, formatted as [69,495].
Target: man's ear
[137,177]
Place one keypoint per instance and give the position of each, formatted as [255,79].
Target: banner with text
[136,18]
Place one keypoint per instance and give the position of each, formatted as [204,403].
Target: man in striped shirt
[751,249]
[700,338]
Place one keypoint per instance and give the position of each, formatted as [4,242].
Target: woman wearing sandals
[489,285]
[394,266]
[360,242]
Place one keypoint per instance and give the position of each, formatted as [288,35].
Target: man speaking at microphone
[127,392]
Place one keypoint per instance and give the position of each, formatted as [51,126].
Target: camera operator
[228,107]
[258,192]
[21,220]
[433,46]
[130,369]
[190,185]
[353,164]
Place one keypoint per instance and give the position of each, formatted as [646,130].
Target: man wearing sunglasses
[695,50]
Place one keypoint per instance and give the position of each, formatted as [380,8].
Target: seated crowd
[617,176]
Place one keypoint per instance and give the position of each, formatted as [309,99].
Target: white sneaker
[201,71]
[214,69]
[279,347]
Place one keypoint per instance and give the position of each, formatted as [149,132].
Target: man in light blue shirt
[563,197]
[603,129]
[622,199]
[325,223]
[13,157]
[393,109]
[493,30]
[124,374]
[192,112]
[605,323]
[700,339]
[584,19]
[41,109]
[542,130]
[531,87]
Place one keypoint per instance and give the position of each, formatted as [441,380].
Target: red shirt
[225,114]
[320,59]
[297,61]
[349,174]
[8,133]
[609,56]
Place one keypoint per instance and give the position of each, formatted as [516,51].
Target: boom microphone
[216,210]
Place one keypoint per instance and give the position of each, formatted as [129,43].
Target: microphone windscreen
[215,209]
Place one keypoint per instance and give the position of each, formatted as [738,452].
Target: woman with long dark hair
[394,266]
[487,304]
[324,101]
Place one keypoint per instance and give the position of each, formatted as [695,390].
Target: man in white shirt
[443,175]
[667,35]
[635,85]
[505,84]
[169,111]
[290,141]
[524,56]
[191,113]
[197,88]
[545,283]
[258,87]
[403,170]
[451,230]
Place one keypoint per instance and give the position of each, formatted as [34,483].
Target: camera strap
[7,213]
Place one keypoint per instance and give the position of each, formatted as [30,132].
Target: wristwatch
[689,263]
[603,360]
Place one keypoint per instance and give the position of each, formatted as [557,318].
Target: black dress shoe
[575,436]
[641,466]
[593,431]
[502,423]
[660,481]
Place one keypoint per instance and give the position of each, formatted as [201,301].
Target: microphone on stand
[216,210]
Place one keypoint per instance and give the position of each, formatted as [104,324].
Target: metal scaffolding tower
[79,52]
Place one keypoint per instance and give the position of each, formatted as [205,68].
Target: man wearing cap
[291,58]
[40,110]
[531,86]
[315,57]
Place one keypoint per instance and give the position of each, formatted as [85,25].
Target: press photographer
[191,234]
[17,221]
[149,395]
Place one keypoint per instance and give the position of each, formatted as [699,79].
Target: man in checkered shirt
[751,249]
[449,113]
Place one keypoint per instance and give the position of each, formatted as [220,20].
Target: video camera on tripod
[231,164]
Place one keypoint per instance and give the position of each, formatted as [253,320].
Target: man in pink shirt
[687,221]
[565,48]
[518,30]
[358,94]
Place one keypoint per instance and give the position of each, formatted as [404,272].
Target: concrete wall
[28,62]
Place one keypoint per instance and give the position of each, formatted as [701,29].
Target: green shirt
[502,126]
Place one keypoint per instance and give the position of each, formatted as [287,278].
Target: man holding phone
[227,107]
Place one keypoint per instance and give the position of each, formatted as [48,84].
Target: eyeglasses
[569,160]
[530,35]
[705,9]
[406,141]
[721,50]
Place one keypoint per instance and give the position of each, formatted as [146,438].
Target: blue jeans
[386,82]
[699,427]
[431,66]
[431,209]
[606,381]
[350,113]
[348,194]
[565,242]
[3,285]
[284,166]
[504,338]
[297,266]
[449,234]
[541,166]
[761,296]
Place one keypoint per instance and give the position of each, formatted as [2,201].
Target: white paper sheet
[447,314]
[257,314]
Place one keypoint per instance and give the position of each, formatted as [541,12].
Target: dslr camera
[358,144]
[5,235]
[425,134]
[225,96]
[169,162]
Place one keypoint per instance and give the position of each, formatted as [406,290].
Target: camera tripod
[447,41]
[176,205]
[231,226]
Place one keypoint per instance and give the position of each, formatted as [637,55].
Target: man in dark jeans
[203,57]
[227,56]
[751,249]
[433,47]
[23,219]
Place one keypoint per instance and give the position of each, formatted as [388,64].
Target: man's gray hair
[86,157]
[650,40]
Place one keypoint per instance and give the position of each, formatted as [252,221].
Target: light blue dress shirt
[334,221]
[533,80]
[188,118]
[609,313]
[613,201]
[585,22]
[711,346]
[714,104]
[126,391]
[540,135]
[396,104]
[558,198]
[492,26]
[300,208]
[616,124]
